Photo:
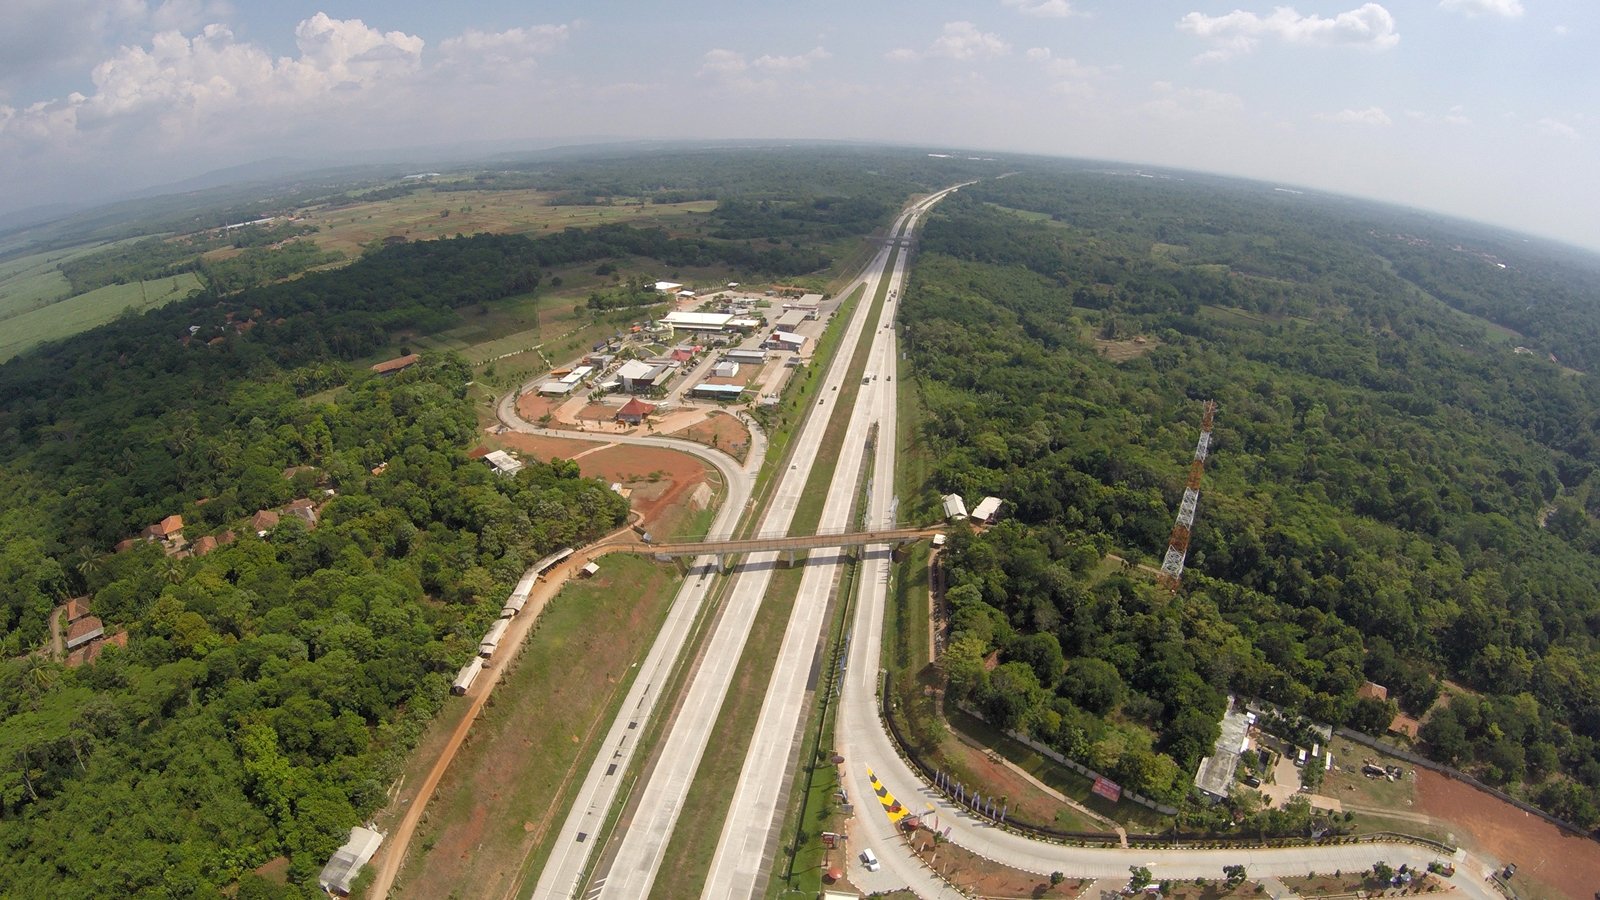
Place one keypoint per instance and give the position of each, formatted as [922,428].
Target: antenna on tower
[1178,546]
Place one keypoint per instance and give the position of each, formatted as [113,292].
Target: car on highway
[870,860]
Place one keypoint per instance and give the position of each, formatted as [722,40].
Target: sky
[1487,109]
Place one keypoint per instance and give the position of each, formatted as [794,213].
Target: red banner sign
[1108,789]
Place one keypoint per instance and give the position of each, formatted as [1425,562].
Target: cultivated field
[85,311]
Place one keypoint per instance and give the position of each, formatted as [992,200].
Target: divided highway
[638,856]
[747,841]
[745,848]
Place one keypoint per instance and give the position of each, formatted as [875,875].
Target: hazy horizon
[1480,109]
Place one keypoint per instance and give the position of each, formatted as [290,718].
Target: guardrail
[1170,840]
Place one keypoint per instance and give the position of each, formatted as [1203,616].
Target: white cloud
[1455,116]
[960,41]
[513,47]
[723,62]
[1049,9]
[1556,128]
[179,86]
[45,35]
[1370,27]
[791,63]
[1474,8]
[1372,115]
[1192,103]
[1072,78]
[733,68]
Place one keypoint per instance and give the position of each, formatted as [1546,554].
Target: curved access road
[750,832]
[569,857]
[864,741]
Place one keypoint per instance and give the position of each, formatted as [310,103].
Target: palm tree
[39,670]
[88,562]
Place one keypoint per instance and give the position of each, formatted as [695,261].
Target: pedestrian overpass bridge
[791,545]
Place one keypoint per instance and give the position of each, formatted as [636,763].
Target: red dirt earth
[1559,858]
[680,472]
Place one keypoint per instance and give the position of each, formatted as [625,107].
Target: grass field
[85,311]
[25,292]
[813,807]
[420,216]
[497,809]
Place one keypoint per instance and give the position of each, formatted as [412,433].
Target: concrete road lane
[570,854]
[638,857]
[745,848]
[863,740]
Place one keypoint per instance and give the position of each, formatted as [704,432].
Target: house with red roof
[634,411]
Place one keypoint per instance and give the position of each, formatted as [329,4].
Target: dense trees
[1373,504]
[158,258]
[270,688]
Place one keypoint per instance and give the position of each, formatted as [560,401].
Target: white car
[870,860]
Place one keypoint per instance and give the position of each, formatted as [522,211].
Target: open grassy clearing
[85,311]
[1025,214]
[420,216]
[31,282]
[25,293]
[497,809]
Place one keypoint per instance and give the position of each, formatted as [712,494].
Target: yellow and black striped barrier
[891,806]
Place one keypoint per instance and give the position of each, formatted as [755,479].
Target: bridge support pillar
[722,562]
[791,559]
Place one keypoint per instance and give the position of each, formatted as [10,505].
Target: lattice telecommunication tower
[1178,547]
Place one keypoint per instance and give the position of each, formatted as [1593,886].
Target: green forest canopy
[1372,510]
[271,688]
[1379,475]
